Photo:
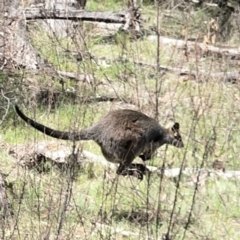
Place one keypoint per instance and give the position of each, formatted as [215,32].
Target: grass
[98,204]
[124,204]
[121,203]
[109,5]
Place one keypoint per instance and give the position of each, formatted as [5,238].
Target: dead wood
[81,77]
[31,154]
[53,97]
[99,98]
[108,17]
[232,77]
[233,52]
[130,18]
[59,152]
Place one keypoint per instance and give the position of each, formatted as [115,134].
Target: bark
[4,204]
[15,47]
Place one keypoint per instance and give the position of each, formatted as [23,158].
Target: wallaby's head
[174,137]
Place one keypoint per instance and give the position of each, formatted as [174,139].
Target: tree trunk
[15,47]
[4,205]
[64,27]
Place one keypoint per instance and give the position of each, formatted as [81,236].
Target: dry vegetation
[92,202]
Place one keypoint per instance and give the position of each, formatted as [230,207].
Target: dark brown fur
[122,135]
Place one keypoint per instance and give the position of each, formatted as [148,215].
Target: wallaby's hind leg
[130,172]
[139,167]
[135,169]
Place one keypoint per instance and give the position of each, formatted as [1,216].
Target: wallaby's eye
[176,126]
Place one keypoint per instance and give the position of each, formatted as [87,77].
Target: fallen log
[29,154]
[59,152]
[108,17]
[232,77]
[130,18]
[81,77]
[234,52]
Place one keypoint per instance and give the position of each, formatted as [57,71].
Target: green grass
[124,204]
[106,5]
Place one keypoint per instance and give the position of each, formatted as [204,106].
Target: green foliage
[111,5]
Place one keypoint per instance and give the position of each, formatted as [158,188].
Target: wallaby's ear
[176,126]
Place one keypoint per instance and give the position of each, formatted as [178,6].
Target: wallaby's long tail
[51,132]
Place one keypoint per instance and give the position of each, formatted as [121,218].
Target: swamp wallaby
[122,135]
